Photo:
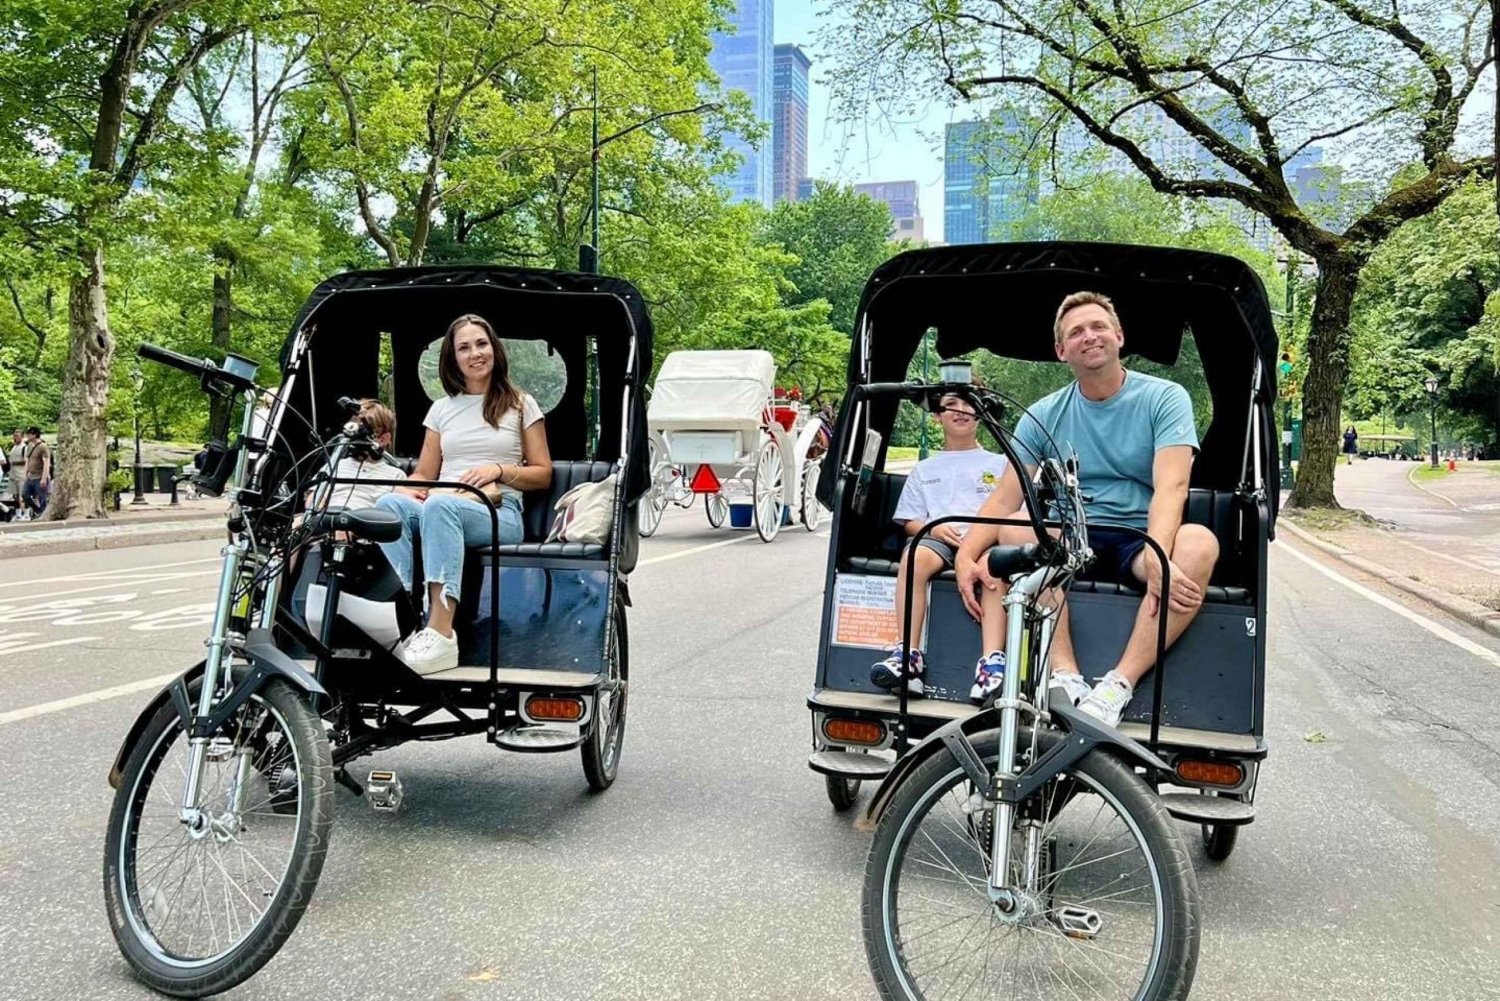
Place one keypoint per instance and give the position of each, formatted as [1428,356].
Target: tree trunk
[79,465]
[1327,371]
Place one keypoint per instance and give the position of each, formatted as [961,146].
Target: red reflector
[1218,773]
[704,481]
[853,731]
[567,710]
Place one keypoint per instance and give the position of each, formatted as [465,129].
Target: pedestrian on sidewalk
[15,464]
[38,473]
[1351,445]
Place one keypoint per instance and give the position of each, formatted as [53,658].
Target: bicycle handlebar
[193,366]
[236,372]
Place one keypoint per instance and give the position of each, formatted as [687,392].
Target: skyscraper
[789,133]
[985,182]
[742,60]
[901,198]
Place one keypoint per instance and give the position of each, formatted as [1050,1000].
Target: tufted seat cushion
[563,550]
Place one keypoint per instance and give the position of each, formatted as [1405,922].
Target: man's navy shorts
[1114,551]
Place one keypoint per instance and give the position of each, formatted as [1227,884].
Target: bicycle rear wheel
[199,909]
[1109,911]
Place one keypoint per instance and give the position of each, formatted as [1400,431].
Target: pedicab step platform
[1237,743]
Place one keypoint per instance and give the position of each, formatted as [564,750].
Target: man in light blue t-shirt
[1135,440]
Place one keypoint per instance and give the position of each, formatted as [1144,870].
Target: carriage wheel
[770,500]
[812,511]
[654,504]
[717,506]
[601,752]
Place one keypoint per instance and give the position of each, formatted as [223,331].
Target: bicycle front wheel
[198,908]
[1105,904]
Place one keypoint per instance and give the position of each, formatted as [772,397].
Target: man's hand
[1185,596]
[972,574]
[948,534]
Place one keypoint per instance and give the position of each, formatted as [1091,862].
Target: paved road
[1458,515]
[714,868]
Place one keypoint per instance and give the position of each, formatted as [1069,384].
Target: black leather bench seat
[538,511]
[888,568]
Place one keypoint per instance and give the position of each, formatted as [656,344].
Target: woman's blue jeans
[446,524]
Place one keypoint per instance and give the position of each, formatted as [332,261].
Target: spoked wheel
[601,752]
[717,507]
[654,504]
[812,511]
[197,908]
[1103,904]
[770,497]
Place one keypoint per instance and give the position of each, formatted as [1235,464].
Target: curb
[17,529]
[1471,612]
[193,531]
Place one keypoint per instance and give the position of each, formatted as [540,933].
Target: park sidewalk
[1435,537]
[154,523]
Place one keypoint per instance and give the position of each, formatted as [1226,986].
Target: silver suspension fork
[218,638]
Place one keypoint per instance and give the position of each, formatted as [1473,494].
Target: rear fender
[1083,733]
[266,661]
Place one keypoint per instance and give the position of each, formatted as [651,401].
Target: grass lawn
[1424,472]
[898,453]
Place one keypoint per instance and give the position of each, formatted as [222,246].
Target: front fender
[1084,734]
[265,660]
[133,735]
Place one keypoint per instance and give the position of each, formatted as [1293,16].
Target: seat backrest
[1220,513]
[537,510]
[874,533]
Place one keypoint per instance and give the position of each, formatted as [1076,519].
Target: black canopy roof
[346,315]
[1003,298]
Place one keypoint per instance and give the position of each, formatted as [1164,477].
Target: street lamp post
[1432,388]
[922,434]
[138,380]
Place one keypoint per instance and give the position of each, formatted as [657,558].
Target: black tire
[1170,959]
[154,961]
[1219,840]
[842,792]
[601,752]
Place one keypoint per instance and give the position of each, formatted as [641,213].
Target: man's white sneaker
[1108,700]
[1073,684]
[429,651]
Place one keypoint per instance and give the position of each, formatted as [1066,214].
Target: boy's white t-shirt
[949,483]
[468,440]
[353,495]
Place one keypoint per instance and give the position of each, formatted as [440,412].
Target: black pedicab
[225,782]
[962,786]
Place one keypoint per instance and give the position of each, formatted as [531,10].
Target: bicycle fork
[1018,902]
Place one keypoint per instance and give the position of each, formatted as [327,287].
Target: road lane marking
[87,698]
[128,583]
[695,549]
[1441,632]
[107,574]
[7,641]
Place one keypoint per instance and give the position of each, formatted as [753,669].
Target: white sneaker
[429,651]
[1108,700]
[1074,685]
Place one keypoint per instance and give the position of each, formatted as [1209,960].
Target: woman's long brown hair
[502,393]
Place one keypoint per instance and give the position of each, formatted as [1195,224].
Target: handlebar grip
[193,366]
[872,389]
[1007,561]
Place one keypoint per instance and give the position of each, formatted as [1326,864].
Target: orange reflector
[567,710]
[704,481]
[1218,773]
[853,731]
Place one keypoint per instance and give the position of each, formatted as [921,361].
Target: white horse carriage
[718,429]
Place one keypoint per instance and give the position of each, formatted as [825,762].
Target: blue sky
[865,151]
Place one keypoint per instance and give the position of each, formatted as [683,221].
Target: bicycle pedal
[383,790]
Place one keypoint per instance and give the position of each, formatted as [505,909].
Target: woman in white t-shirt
[486,433]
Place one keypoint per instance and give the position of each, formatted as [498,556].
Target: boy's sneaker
[989,675]
[1108,700]
[1074,685]
[887,673]
[429,651]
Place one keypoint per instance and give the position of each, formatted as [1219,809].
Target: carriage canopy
[697,390]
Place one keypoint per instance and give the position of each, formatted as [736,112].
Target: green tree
[1249,85]
[838,237]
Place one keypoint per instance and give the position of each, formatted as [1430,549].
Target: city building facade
[789,131]
[742,58]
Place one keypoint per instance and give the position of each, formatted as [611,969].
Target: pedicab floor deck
[945,709]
